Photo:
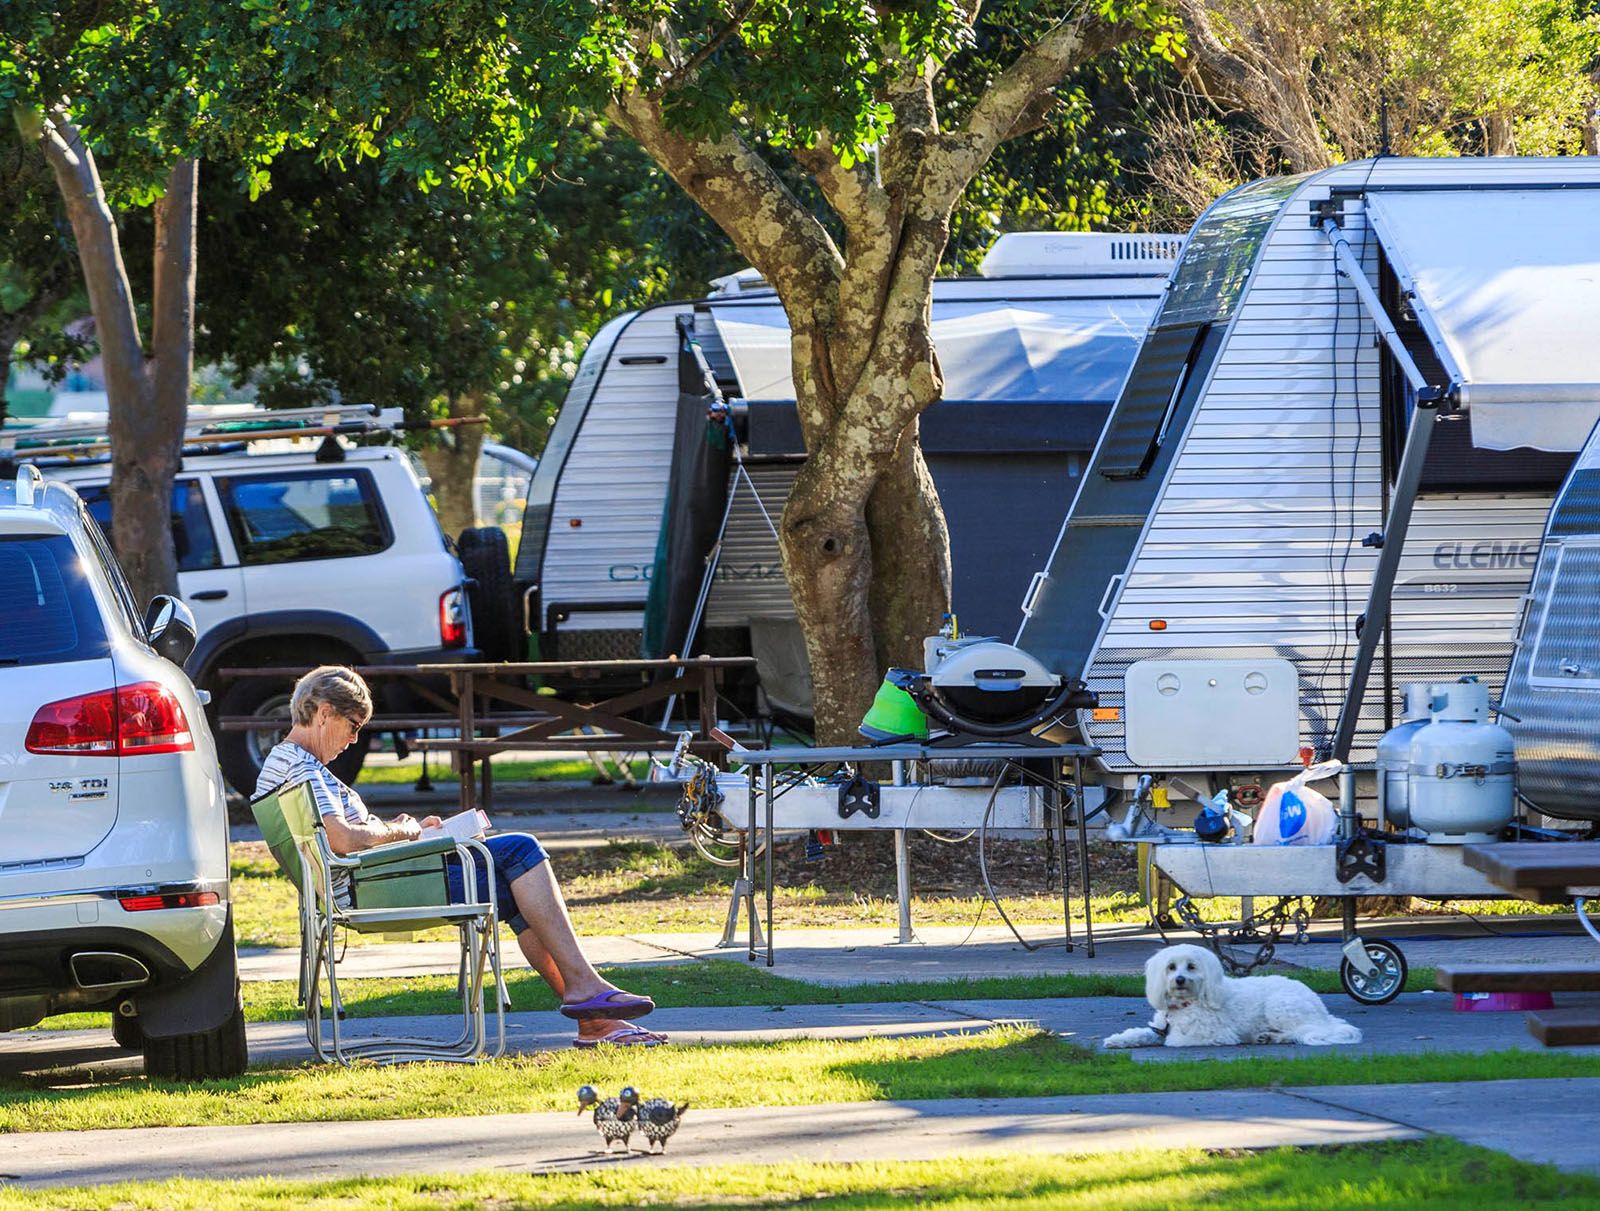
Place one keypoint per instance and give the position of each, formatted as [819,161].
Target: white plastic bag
[1294,814]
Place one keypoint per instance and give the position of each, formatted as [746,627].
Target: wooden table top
[1537,865]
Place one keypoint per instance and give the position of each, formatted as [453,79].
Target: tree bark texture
[865,548]
[453,469]
[148,396]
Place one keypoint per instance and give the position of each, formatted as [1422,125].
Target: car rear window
[304,515]
[49,609]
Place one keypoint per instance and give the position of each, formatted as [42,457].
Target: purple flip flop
[613,1004]
[623,1036]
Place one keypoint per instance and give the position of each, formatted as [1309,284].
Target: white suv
[113,822]
[320,555]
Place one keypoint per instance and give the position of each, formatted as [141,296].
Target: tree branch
[1074,39]
[853,193]
[749,201]
[172,297]
[686,72]
[99,252]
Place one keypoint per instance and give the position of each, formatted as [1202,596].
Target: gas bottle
[1462,781]
[1394,754]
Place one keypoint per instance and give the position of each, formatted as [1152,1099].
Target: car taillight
[126,722]
[151,720]
[182,899]
[453,619]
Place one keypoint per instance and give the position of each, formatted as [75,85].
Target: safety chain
[1261,930]
[700,813]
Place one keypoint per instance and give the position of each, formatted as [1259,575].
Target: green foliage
[38,266]
[1449,67]
[368,287]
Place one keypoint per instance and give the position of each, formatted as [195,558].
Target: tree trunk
[146,443]
[8,341]
[910,556]
[453,468]
[1499,135]
[147,397]
[827,558]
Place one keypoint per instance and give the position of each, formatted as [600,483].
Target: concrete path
[1550,1122]
[553,1142]
[871,955]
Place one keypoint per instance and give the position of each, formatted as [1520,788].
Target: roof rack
[71,440]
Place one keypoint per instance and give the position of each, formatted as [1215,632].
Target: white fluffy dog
[1198,1006]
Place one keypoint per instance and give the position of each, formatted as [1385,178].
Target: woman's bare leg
[541,961]
[539,901]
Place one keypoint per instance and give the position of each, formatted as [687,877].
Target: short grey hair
[340,687]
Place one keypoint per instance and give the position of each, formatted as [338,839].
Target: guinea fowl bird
[612,1119]
[658,1118]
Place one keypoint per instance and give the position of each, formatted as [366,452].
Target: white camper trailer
[629,499]
[1357,401]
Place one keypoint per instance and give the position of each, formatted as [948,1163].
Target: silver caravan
[635,489]
[1329,470]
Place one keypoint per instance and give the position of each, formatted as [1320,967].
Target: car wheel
[127,1032]
[208,1055]
[496,621]
[242,754]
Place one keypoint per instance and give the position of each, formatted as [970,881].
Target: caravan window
[1566,647]
[1221,252]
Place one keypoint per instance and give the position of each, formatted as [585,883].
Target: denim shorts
[515,854]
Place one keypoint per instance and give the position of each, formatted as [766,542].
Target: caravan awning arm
[1351,269]
[1392,542]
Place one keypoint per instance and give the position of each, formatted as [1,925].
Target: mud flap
[202,1002]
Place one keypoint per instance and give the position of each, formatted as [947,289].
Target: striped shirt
[288,764]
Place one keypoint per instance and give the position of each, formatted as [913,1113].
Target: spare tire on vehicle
[496,613]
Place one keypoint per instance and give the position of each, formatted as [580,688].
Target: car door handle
[209,594]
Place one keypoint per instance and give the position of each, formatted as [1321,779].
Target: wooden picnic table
[488,698]
[1555,872]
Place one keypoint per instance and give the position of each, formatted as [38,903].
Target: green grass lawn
[634,887]
[1001,1062]
[695,984]
[558,770]
[1394,1176]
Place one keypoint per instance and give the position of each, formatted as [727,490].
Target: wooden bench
[1519,978]
[1549,873]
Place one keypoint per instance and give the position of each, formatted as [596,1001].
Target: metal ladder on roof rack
[70,440]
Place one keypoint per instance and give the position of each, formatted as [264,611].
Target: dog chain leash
[1261,930]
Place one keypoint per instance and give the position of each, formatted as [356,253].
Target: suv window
[192,536]
[114,576]
[304,515]
[50,610]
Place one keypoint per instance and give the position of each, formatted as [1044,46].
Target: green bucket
[894,715]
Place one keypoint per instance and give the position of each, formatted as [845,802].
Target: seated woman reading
[329,707]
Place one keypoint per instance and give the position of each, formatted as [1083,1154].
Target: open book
[463,826]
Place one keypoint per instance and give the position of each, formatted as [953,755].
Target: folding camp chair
[394,888]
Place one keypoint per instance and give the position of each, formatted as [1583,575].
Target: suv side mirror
[171,627]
